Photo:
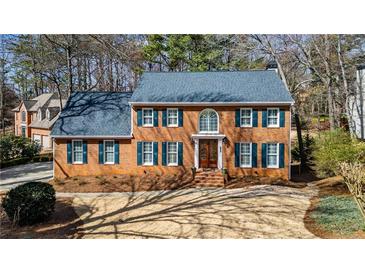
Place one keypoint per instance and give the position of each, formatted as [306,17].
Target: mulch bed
[63,224]
[121,183]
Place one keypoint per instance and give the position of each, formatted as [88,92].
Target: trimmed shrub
[334,147]
[13,147]
[30,203]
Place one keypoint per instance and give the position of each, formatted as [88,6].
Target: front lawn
[339,215]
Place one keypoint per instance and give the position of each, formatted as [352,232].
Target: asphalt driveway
[13,176]
[253,212]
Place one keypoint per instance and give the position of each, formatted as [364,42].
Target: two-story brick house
[175,121]
[35,118]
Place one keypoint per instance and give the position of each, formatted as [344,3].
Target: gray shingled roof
[95,114]
[229,86]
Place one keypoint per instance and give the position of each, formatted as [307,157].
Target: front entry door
[208,153]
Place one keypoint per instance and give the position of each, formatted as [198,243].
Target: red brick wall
[128,149]
[18,122]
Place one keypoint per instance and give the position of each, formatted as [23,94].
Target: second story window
[172,114]
[23,116]
[147,117]
[246,117]
[48,114]
[273,117]
[208,121]
[39,115]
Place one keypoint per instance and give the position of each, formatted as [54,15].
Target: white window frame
[48,114]
[105,162]
[277,117]
[25,117]
[251,117]
[39,115]
[205,131]
[73,154]
[242,165]
[143,153]
[177,117]
[177,154]
[147,125]
[277,155]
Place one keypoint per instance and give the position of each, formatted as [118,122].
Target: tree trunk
[69,68]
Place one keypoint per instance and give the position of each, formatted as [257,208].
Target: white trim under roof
[92,137]
[207,136]
[212,103]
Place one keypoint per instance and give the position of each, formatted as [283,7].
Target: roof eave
[284,103]
[92,136]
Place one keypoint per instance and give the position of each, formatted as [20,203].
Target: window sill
[172,125]
[172,165]
[109,163]
[248,126]
[273,126]
[77,163]
[245,166]
[272,167]
[147,164]
[147,125]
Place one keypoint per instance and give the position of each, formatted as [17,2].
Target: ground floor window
[147,153]
[77,152]
[109,152]
[273,155]
[245,155]
[23,131]
[172,153]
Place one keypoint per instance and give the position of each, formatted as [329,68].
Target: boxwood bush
[30,203]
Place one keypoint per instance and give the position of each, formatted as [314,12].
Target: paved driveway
[13,176]
[253,212]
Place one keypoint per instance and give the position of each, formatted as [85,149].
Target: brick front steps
[208,178]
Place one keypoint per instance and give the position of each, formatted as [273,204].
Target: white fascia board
[211,103]
[91,137]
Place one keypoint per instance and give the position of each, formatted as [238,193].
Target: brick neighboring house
[35,118]
[174,121]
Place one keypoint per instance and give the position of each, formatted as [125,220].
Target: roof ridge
[216,71]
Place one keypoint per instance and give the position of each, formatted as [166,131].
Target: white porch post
[196,153]
[220,154]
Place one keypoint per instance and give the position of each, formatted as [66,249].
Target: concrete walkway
[14,176]
[252,212]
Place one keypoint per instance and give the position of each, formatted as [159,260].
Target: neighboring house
[174,121]
[356,106]
[35,118]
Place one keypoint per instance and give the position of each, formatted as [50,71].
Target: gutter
[212,103]
[92,137]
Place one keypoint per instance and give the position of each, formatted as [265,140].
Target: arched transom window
[208,121]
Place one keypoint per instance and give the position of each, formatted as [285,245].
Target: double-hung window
[172,114]
[147,117]
[147,153]
[109,152]
[273,117]
[77,152]
[172,153]
[23,116]
[273,155]
[245,155]
[246,117]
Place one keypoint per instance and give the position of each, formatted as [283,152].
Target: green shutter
[139,117]
[282,118]
[237,154]
[238,118]
[254,118]
[164,118]
[155,118]
[263,156]
[180,117]
[254,155]
[180,151]
[155,153]
[101,152]
[281,155]
[164,155]
[69,152]
[84,152]
[116,152]
[264,118]
[139,153]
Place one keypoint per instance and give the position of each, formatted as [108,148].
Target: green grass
[338,214]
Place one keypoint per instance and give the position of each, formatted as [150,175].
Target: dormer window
[48,114]
[39,115]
